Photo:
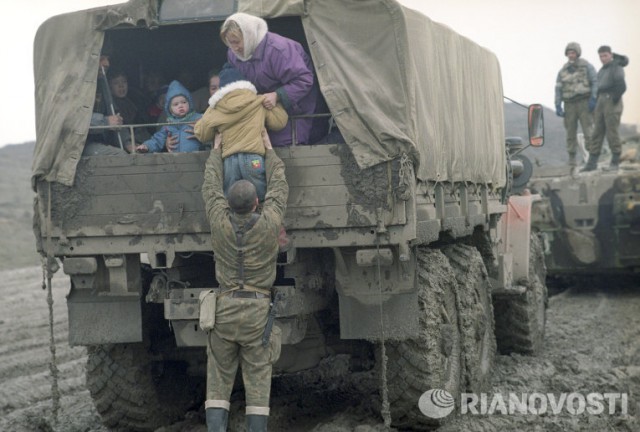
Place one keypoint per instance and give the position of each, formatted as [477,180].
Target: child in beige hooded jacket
[236,112]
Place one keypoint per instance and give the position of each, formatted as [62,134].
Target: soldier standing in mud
[611,86]
[245,245]
[576,87]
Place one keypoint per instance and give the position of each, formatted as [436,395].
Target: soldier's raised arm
[275,202]
[215,202]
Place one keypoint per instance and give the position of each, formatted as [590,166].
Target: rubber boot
[572,163]
[257,423]
[615,162]
[592,163]
[217,419]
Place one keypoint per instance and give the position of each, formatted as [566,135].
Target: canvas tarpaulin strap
[396,82]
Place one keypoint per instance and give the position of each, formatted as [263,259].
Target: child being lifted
[236,112]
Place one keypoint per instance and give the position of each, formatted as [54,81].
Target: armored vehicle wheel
[432,360]
[134,393]
[475,316]
[520,319]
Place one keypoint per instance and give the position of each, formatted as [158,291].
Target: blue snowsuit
[157,142]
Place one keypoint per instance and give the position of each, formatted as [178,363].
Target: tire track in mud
[25,390]
[592,344]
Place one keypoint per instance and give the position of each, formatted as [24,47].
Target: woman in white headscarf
[278,67]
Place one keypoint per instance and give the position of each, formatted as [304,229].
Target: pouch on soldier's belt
[207,310]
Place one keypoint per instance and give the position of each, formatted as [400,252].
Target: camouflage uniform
[237,334]
[575,85]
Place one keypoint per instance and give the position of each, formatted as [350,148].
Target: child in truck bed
[236,111]
[179,108]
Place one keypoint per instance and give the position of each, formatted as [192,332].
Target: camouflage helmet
[575,46]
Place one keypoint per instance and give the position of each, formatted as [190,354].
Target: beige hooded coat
[236,111]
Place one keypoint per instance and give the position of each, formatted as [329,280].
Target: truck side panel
[130,198]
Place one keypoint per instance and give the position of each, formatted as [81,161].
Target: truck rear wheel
[432,360]
[521,319]
[475,316]
[134,393]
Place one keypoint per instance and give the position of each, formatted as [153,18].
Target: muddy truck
[406,234]
[589,222]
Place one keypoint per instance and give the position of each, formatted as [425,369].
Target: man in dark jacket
[611,86]
[245,245]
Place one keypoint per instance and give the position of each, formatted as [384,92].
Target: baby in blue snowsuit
[179,108]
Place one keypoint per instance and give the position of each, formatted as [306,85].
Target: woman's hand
[270,100]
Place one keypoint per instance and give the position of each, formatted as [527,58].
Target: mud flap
[104,319]
[516,231]
[362,321]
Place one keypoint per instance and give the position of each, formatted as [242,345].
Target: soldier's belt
[248,290]
[249,294]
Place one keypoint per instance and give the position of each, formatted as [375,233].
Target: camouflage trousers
[236,340]
[575,111]
[607,121]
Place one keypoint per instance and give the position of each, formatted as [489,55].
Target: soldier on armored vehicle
[611,87]
[576,87]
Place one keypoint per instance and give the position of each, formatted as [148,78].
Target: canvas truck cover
[395,81]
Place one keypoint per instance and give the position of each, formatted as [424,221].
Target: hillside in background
[16,196]
[16,207]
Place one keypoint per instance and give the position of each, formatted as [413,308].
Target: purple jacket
[280,64]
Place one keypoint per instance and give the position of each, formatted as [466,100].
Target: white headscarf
[253,29]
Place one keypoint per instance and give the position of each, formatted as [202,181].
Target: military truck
[406,234]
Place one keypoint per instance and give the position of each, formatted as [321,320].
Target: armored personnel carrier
[406,231]
[589,222]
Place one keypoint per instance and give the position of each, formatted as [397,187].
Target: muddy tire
[133,393]
[432,360]
[475,316]
[520,320]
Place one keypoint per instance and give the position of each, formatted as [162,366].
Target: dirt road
[592,345]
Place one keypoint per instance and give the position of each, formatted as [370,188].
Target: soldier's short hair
[242,196]
[604,48]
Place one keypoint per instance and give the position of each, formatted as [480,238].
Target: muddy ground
[592,345]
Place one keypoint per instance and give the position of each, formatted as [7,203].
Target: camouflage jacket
[575,81]
[260,242]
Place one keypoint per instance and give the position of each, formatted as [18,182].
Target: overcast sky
[527,36]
